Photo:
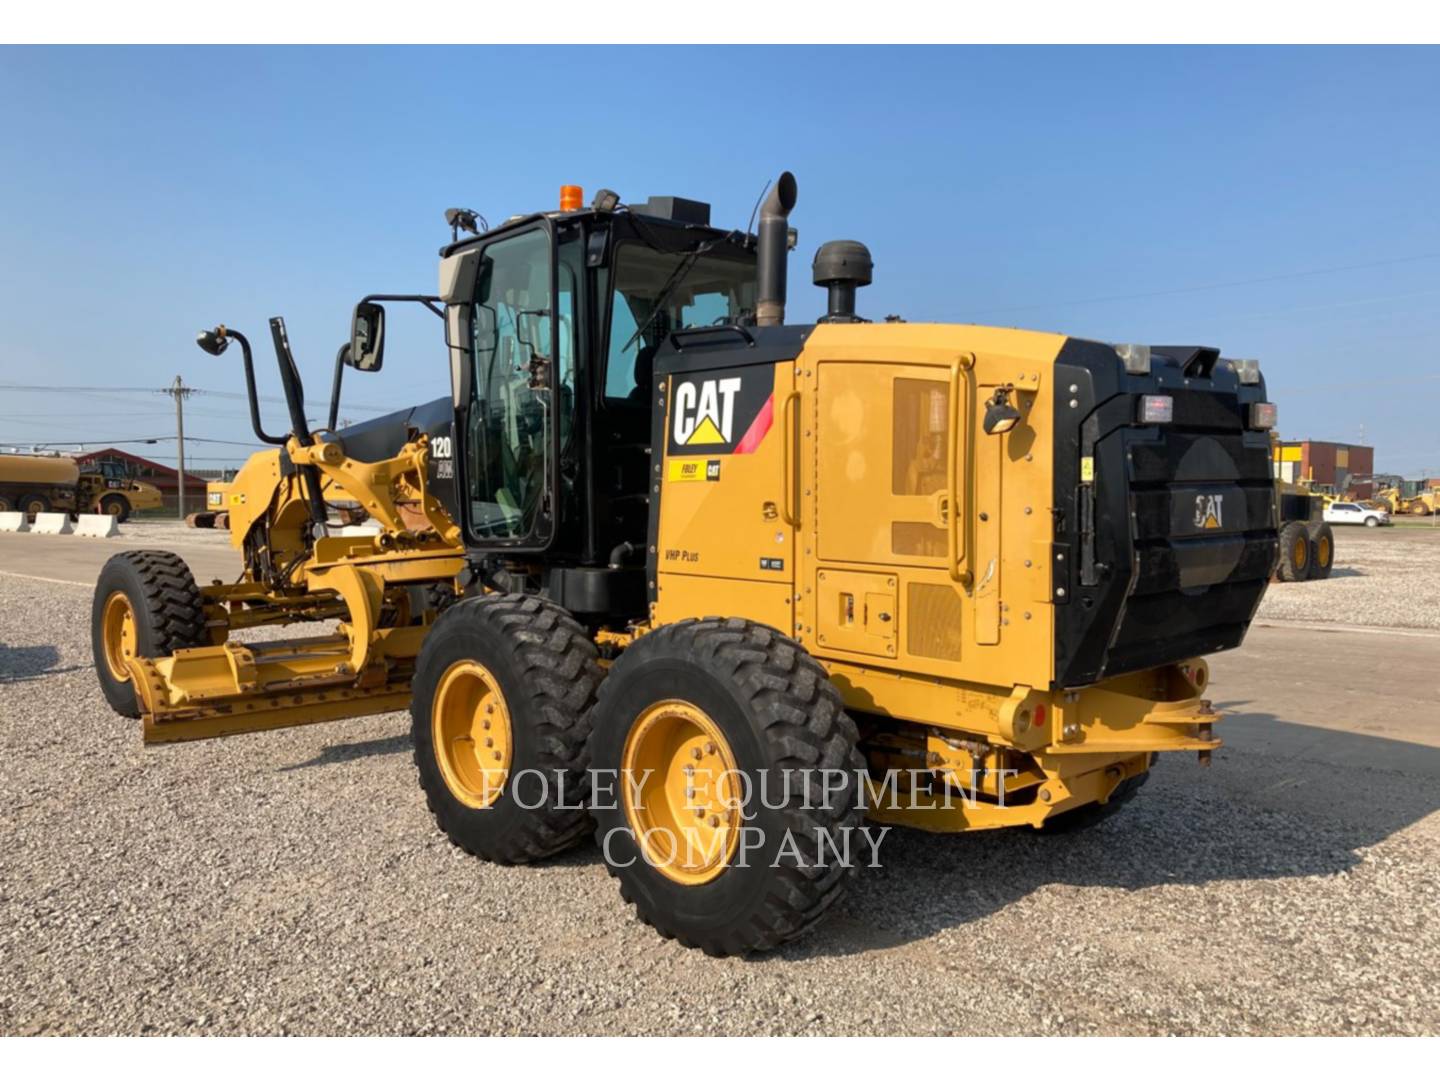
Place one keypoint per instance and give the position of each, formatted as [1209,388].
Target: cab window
[657,292]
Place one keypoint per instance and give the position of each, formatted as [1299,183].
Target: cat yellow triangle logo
[1211,522]
[705,434]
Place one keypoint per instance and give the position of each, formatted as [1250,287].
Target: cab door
[508,418]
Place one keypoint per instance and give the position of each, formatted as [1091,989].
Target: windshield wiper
[677,276]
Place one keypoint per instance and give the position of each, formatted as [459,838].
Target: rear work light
[1262,415]
[1247,371]
[1136,358]
[1156,409]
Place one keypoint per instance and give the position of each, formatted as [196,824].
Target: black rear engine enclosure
[1166,537]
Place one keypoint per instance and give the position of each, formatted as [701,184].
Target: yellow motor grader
[716,587]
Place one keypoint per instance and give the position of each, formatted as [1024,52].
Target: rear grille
[932,627]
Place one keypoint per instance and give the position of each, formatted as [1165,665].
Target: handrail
[962,368]
[788,437]
[677,337]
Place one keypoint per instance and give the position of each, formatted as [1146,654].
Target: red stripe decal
[758,427]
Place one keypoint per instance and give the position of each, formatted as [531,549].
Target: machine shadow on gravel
[1336,793]
[336,753]
[21,663]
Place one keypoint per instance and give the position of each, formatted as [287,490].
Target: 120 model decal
[721,413]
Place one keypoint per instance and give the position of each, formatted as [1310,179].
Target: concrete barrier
[52,524]
[14,521]
[97,525]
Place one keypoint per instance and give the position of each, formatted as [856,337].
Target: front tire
[117,506]
[146,604]
[1372,522]
[500,717]
[690,717]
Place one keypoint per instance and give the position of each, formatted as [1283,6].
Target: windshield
[692,290]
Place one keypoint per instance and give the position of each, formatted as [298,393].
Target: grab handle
[962,370]
[789,508]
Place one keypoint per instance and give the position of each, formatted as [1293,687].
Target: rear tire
[1294,552]
[156,593]
[1322,550]
[117,506]
[33,504]
[526,667]
[754,700]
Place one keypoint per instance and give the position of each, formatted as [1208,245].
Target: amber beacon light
[572,197]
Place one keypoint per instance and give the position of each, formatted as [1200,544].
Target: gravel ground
[1381,577]
[293,882]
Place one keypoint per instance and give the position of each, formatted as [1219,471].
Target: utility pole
[179,391]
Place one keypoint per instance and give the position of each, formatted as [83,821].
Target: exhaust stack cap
[772,249]
[841,267]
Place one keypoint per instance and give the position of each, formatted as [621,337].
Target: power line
[1211,286]
[228,394]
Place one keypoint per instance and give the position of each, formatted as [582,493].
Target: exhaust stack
[772,251]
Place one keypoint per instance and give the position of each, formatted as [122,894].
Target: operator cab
[554,321]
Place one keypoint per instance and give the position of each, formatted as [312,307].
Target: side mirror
[367,337]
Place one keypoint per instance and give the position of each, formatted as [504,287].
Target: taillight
[1262,415]
[1156,409]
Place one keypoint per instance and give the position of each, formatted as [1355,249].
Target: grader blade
[231,689]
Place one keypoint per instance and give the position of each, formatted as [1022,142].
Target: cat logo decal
[1209,511]
[727,412]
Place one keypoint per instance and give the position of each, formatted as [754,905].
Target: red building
[1339,467]
[152,472]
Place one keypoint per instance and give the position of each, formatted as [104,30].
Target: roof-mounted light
[1136,358]
[572,197]
[1247,371]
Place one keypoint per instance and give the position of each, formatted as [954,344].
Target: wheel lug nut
[699,813]
[489,742]
[709,748]
[485,724]
[497,755]
[695,753]
[714,821]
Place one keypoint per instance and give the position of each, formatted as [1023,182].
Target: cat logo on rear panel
[1209,511]
[722,412]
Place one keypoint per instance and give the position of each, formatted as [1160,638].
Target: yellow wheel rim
[1302,551]
[117,629]
[682,792]
[470,727]
[1322,551]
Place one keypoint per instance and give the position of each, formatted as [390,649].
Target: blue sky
[1122,194]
